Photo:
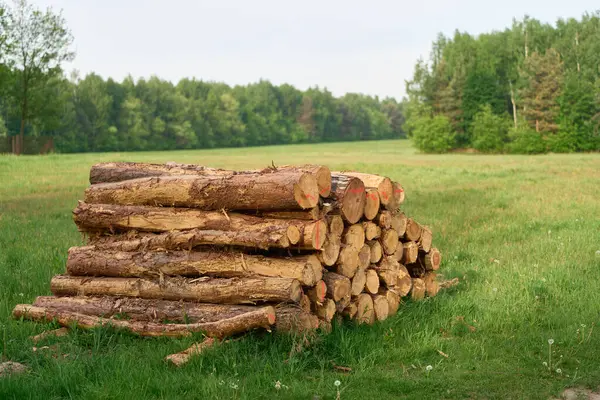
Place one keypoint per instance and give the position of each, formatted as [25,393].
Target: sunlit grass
[520,232]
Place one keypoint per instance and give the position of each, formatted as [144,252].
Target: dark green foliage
[525,140]
[434,134]
[489,131]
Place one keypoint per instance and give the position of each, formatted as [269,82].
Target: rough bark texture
[372,204]
[90,261]
[399,222]
[389,241]
[365,313]
[354,236]
[383,185]
[335,223]
[425,240]
[348,195]
[317,293]
[208,290]
[311,214]
[364,257]
[432,260]
[348,262]
[294,319]
[410,253]
[269,191]
[376,251]
[358,282]
[196,349]
[413,230]
[372,231]
[338,286]
[326,310]
[432,287]
[418,289]
[372,281]
[331,251]
[264,317]
[384,219]
[381,307]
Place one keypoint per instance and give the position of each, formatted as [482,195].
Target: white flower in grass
[558,371]
[597,253]
[545,364]
[550,342]
[428,368]
[234,386]
[277,385]
[495,289]
[337,383]
[549,232]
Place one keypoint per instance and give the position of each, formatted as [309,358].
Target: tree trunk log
[196,349]
[326,310]
[413,230]
[432,260]
[388,271]
[381,307]
[376,251]
[364,257]
[425,240]
[365,313]
[207,290]
[372,231]
[354,236]
[335,223]
[317,293]
[313,235]
[331,251]
[348,195]
[384,219]
[403,282]
[294,319]
[358,282]
[383,185]
[418,289]
[389,241]
[270,191]
[399,222]
[261,318]
[348,262]
[338,286]
[399,253]
[410,253]
[399,194]
[372,204]
[89,261]
[393,300]
[372,282]
[432,287]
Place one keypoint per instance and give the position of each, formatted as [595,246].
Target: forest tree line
[531,88]
[85,114]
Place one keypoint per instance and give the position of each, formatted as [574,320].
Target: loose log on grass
[381,307]
[418,289]
[264,317]
[348,262]
[376,251]
[348,196]
[196,349]
[358,282]
[410,253]
[365,313]
[354,236]
[372,281]
[432,260]
[208,290]
[276,191]
[338,286]
[413,230]
[372,231]
[389,241]
[372,204]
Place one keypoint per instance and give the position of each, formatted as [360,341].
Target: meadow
[522,233]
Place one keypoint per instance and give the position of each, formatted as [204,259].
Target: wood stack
[175,249]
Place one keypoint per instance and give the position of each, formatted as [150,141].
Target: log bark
[425,240]
[271,191]
[418,289]
[311,214]
[348,262]
[399,222]
[364,257]
[294,319]
[326,310]
[196,349]
[403,282]
[410,253]
[393,300]
[208,290]
[90,261]
[338,286]
[46,334]
[261,318]
[384,219]
[335,223]
[432,287]
[372,204]
[389,241]
[317,293]
[372,281]
[413,230]
[381,307]
[354,236]
[348,196]
[358,282]
[372,231]
[432,260]
[376,251]
[365,313]
[383,185]
[331,251]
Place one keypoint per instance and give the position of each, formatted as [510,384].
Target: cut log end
[432,287]
[403,282]
[410,253]
[384,219]
[358,282]
[389,241]
[418,289]
[353,203]
[426,239]
[399,222]
[365,313]
[364,257]
[433,260]
[354,236]
[376,251]
[372,281]
[381,307]
[372,231]
[399,194]
[413,230]
[372,204]
[331,251]
[317,293]
[326,310]
[348,262]
[336,225]
[338,286]
[306,191]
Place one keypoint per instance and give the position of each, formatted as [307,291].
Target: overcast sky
[344,45]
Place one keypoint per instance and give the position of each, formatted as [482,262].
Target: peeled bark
[269,191]
[196,349]
[399,222]
[376,251]
[354,236]
[317,293]
[338,286]
[413,230]
[372,281]
[358,282]
[89,261]
[364,257]
[264,317]
[348,196]
[425,240]
[381,307]
[411,253]
[365,313]
[372,231]
[293,319]
[325,311]
[348,262]
[331,251]
[403,282]
[207,290]
[381,184]
[389,241]
[432,260]
[432,287]
[372,204]
[393,300]
[335,223]
[418,289]
[384,219]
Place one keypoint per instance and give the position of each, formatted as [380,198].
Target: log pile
[174,249]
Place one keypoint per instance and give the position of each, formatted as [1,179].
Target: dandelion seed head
[277,385]
[495,289]
[550,341]
[337,383]
[429,368]
[558,371]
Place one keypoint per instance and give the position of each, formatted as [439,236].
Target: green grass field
[522,234]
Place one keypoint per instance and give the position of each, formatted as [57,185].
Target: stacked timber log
[174,249]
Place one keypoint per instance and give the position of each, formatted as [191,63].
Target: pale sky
[344,45]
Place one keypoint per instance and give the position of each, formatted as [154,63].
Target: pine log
[341,304]
[410,253]
[321,173]
[196,349]
[270,191]
[325,311]
[372,281]
[399,252]
[208,290]
[264,317]
[317,293]
[425,240]
[348,196]
[364,257]
[388,271]
[305,303]
[393,300]
[372,204]
[338,286]
[358,282]
[389,241]
[347,262]
[417,270]
[403,282]
[365,313]
[418,289]
[399,194]
[350,311]
[354,236]
[432,287]
[312,214]
[432,260]
[372,231]
[90,261]
[376,251]
[313,235]
[383,185]
[294,319]
[399,222]
[381,307]
[384,219]
[413,230]
[331,251]
[60,332]
[335,223]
